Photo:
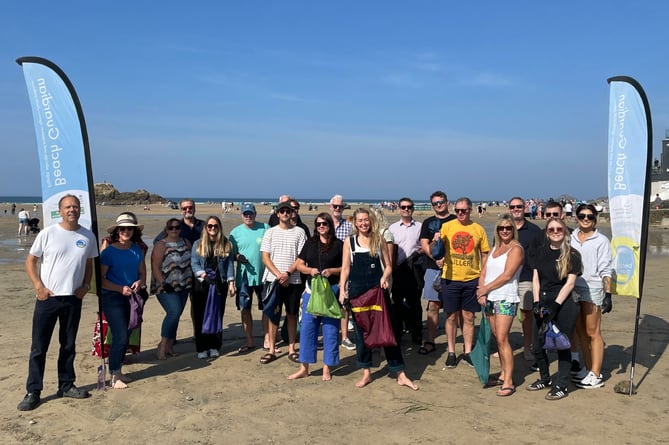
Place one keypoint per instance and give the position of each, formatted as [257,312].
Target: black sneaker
[538,385]
[557,393]
[575,367]
[29,402]
[74,393]
[467,359]
[451,361]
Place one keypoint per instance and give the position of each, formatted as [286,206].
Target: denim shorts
[589,295]
[501,308]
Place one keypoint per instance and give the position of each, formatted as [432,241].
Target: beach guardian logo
[81,243]
[620,180]
[53,148]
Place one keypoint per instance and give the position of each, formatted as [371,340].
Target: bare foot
[403,380]
[303,372]
[364,381]
[326,374]
[117,383]
[161,357]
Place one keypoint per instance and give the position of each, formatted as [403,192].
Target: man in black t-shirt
[429,233]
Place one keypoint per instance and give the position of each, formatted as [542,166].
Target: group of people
[547,274]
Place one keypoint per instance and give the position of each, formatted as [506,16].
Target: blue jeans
[116,308]
[67,311]
[309,336]
[174,304]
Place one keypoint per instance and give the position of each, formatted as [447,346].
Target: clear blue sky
[370,99]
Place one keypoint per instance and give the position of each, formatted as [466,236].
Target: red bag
[371,314]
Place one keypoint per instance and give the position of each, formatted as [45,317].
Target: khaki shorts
[525,294]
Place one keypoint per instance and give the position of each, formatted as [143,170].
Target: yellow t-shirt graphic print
[463,245]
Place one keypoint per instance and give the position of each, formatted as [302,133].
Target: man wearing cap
[66,251]
[343,229]
[280,247]
[246,239]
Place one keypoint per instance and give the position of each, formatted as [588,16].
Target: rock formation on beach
[106,193]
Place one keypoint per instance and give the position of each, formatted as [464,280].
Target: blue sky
[376,99]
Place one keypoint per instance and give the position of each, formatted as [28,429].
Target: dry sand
[235,399]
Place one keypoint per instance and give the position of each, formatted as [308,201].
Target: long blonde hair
[374,235]
[563,264]
[220,247]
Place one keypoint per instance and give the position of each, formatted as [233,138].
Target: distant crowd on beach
[351,282]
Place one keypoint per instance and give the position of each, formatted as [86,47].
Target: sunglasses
[295,209]
[212,226]
[406,207]
[583,216]
[337,206]
[505,229]
[248,214]
[438,203]
[322,224]
[517,207]
[173,227]
[187,208]
[126,229]
[462,210]
[285,210]
[552,214]
[555,230]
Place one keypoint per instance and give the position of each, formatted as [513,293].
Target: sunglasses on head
[438,203]
[212,226]
[583,216]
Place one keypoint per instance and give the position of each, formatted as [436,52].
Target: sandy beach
[234,399]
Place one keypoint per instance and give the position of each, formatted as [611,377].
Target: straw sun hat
[125,220]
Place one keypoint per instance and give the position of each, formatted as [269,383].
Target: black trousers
[406,302]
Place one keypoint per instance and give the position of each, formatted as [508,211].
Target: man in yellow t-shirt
[466,245]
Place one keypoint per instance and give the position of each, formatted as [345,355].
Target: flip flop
[294,357]
[505,392]
[495,382]
[423,350]
[245,349]
[267,358]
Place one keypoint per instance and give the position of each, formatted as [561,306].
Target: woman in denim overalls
[362,273]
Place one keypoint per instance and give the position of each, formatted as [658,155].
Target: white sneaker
[202,354]
[348,344]
[350,325]
[580,375]
[591,381]
[214,353]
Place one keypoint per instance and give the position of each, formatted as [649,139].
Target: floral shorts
[501,308]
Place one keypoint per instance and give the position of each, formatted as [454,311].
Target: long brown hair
[331,231]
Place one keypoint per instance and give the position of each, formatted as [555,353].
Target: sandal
[495,382]
[245,349]
[427,348]
[267,358]
[505,392]
[294,357]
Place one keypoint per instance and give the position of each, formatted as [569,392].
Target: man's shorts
[429,292]
[594,296]
[501,308]
[525,294]
[290,297]
[244,298]
[459,295]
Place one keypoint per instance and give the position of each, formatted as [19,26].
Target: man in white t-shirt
[66,251]
[280,246]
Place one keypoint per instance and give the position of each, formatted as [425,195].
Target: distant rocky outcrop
[106,194]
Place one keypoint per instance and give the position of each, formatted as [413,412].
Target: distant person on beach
[280,247]
[466,246]
[406,292]
[527,232]
[658,201]
[171,270]
[321,255]
[342,229]
[24,217]
[429,234]
[66,251]
[13,208]
[246,239]
[366,265]
[212,264]
[123,273]
[593,290]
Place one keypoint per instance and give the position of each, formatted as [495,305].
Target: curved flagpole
[64,150]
